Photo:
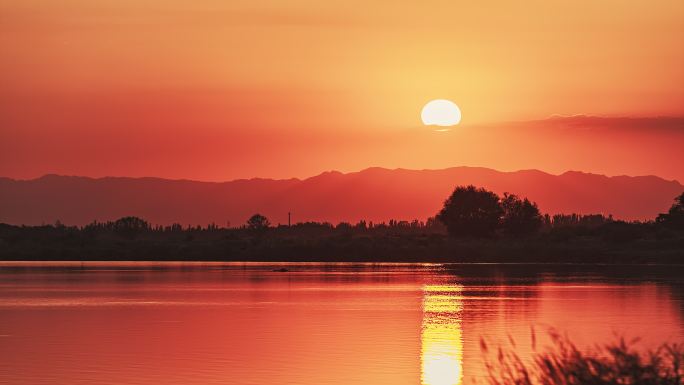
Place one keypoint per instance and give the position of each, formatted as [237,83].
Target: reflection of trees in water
[441,336]
[676,292]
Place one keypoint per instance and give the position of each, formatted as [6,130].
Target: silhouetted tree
[346,226]
[675,216]
[575,220]
[258,222]
[130,227]
[520,216]
[434,224]
[470,211]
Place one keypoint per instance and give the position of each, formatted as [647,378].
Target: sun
[441,112]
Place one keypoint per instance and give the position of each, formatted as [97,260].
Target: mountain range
[374,194]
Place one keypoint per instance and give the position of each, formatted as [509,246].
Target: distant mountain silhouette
[374,194]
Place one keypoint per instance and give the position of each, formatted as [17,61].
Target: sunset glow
[214,90]
[198,192]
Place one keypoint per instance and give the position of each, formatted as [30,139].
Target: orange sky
[217,90]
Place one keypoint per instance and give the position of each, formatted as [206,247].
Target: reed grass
[617,363]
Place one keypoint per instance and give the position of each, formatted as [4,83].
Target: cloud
[655,124]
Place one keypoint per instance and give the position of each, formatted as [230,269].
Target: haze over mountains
[373,194]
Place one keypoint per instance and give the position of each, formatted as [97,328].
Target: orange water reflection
[441,354]
[318,324]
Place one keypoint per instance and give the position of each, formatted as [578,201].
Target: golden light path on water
[441,336]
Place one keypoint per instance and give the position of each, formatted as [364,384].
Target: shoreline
[13,262]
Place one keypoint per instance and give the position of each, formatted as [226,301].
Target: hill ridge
[337,172]
[372,194]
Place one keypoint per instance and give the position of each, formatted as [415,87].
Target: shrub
[613,364]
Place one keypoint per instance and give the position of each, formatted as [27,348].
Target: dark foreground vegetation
[475,225]
[613,364]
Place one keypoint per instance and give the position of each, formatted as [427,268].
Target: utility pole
[288,219]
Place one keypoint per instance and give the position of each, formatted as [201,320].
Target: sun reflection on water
[441,336]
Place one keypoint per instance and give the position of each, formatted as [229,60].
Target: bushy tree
[258,222]
[520,216]
[130,227]
[674,218]
[471,211]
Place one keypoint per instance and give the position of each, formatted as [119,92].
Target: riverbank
[51,243]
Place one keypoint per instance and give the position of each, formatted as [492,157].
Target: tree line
[476,212]
[473,225]
[468,212]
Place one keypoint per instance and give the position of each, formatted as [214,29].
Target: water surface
[243,323]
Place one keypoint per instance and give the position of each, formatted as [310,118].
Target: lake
[244,323]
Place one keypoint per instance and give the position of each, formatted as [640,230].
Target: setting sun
[441,112]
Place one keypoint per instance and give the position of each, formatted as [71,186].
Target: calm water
[133,323]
